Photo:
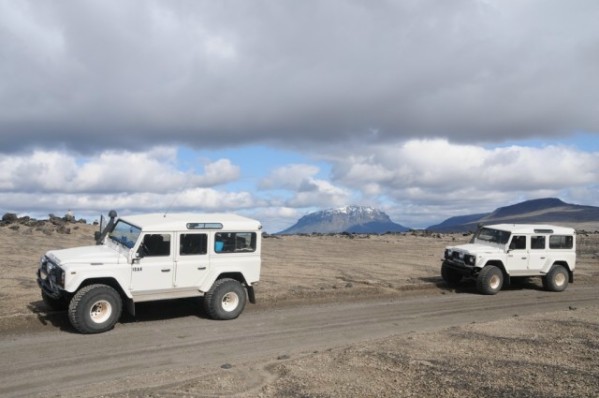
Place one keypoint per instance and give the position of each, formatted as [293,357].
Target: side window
[193,244]
[155,245]
[518,242]
[561,242]
[235,242]
[537,242]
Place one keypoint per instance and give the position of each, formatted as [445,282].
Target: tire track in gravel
[166,351]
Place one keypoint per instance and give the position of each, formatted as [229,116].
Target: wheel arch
[113,283]
[499,264]
[239,277]
[564,264]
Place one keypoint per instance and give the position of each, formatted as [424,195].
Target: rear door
[538,252]
[191,259]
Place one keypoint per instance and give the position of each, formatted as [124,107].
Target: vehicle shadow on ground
[164,310]
[49,317]
[468,286]
[144,312]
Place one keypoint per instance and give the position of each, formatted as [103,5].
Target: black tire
[225,300]
[95,309]
[56,304]
[489,280]
[450,276]
[557,279]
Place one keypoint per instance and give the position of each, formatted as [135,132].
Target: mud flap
[251,294]
[130,305]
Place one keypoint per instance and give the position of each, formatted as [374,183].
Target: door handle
[201,268]
[166,270]
[523,258]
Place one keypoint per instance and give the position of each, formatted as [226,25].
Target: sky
[425,109]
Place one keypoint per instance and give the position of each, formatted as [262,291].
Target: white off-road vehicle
[500,252]
[155,257]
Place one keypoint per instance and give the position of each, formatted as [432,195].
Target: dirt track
[367,317]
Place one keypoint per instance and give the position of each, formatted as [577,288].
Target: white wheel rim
[560,279]
[100,311]
[230,301]
[494,282]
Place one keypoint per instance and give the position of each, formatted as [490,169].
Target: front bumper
[50,278]
[460,267]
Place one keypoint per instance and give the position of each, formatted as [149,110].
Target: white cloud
[275,219]
[418,182]
[289,177]
[154,171]
[219,172]
[440,166]
[305,190]
[51,181]
[319,193]
[434,179]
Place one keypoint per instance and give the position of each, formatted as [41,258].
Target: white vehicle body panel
[534,256]
[171,275]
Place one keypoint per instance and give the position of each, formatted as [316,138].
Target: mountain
[537,211]
[353,219]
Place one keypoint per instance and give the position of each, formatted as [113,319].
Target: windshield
[493,235]
[125,234]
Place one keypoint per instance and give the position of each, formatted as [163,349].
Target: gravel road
[154,353]
[337,317]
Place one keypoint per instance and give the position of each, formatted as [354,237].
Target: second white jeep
[500,252]
[155,257]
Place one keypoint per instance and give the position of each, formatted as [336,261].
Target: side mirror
[135,257]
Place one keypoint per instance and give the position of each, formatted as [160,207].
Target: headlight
[469,259]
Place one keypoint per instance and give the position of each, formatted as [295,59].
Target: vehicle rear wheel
[557,279]
[95,309]
[450,276]
[225,300]
[489,280]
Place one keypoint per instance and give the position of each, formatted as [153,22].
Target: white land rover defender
[155,257]
[500,252]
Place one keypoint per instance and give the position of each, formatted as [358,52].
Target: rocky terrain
[545,355]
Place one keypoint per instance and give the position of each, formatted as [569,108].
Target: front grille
[51,273]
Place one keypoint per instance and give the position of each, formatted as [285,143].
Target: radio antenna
[170,206]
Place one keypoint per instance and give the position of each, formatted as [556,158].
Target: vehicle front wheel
[450,276]
[489,280]
[225,300]
[95,309]
[557,279]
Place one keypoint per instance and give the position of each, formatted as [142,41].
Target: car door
[538,252]
[155,267]
[191,259]
[517,256]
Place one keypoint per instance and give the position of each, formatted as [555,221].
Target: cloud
[424,178]
[417,182]
[154,171]
[292,176]
[197,199]
[304,188]
[51,181]
[206,74]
